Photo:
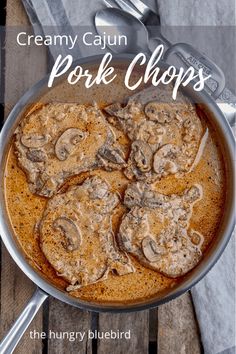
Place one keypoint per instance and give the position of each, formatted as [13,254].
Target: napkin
[213,296]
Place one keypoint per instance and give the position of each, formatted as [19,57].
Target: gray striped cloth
[213,296]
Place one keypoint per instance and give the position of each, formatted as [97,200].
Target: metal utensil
[187,54]
[148,17]
[118,22]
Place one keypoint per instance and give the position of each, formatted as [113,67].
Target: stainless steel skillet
[44,288]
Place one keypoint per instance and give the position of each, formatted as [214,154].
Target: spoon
[112,22]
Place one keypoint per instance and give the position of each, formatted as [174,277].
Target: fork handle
[156,39]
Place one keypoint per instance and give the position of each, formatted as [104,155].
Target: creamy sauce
[25,209]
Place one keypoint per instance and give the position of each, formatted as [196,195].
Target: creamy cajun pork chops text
[76,234]
[57,141]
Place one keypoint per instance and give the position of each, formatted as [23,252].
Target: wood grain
[16,289]
[69,320]
[23,69]
[177,328]
[136,322]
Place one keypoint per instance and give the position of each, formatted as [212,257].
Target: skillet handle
[12,338]
[192,57]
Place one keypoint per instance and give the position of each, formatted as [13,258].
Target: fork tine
[124,5]
[142,8]
[107,3]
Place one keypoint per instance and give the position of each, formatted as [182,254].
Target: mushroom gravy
[157,199]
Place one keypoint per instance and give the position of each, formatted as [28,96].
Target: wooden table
[170,329]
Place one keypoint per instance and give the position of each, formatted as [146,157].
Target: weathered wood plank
[24,65]
[177,328]
[16,289]
[153,325]
[68,322]
[23,68]
[138,325]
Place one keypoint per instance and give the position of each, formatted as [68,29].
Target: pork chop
[58,140]
[156,229]
[76,234]
[166,138]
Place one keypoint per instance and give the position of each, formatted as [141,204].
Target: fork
[187,54]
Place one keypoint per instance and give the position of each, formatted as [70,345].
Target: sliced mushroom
[139,194]
[189,125]
[67,142]
[194,194]
[98,188]
[151,250]
[168,150]
[151,132]
[111,154]
[111,136]
[60,116]
[115,110]
[158,112]
[142,155]
[153,201]
[123,113]
[162,161]
[164,166]
[196,238]
[133,195]
[36,155]
[70,231]
[34,140]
